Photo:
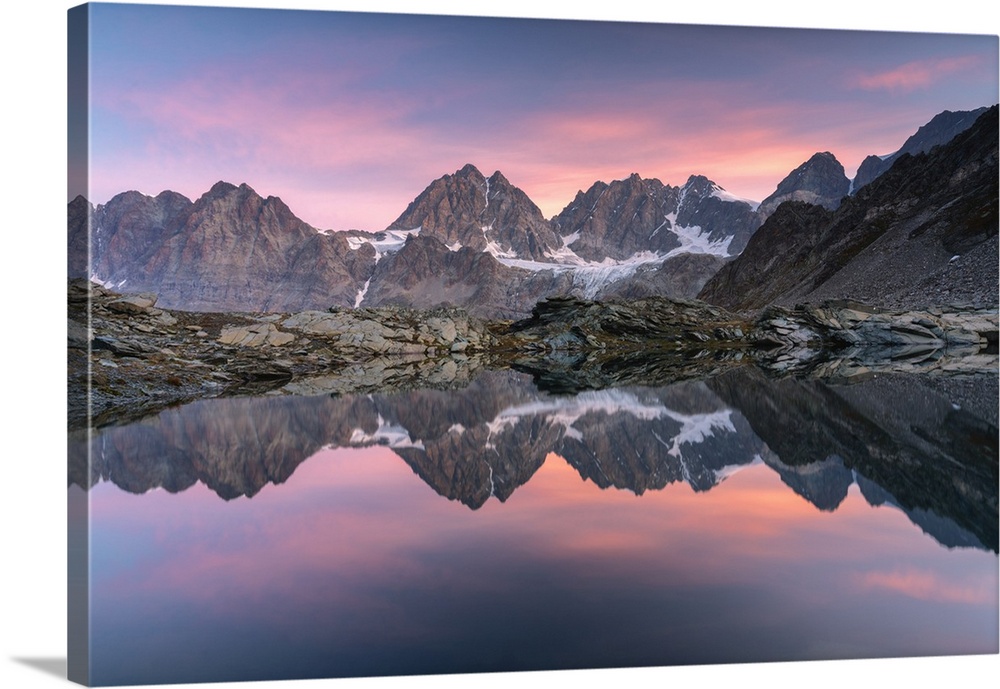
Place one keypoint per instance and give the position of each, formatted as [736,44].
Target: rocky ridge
[922,234]
[942,128]
[570,344]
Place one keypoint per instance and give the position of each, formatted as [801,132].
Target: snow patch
[495,249]
[592,276]
[386,434]
[361,293]
[723,195]
[732,469]
[566,412]
[388,242]
[694,241]
[696,428]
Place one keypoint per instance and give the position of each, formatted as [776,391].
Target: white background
[33,480]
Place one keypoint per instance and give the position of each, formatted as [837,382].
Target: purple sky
[347,117]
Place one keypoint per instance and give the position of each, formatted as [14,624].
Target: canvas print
[415,345]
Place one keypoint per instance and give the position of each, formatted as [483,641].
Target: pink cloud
[746,151]
[913,75]
[343,162]
[929,586]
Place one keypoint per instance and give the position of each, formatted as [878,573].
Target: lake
[500,527]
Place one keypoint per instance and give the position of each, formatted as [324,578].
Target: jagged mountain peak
[490,214]
[222,189]
[246,200]
[700,185]
[127,197]
[472,174]
[823,162]
[941,129]
[820,180]
[468,170]
[498,178]
[79,201]
[823,157]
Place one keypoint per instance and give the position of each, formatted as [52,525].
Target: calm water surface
[502,528]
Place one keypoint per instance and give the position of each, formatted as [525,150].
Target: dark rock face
[820,181]
[759,276]
[131,229]
[619,219]
[229,250]
[425,273]
[706,205]
[940,130]
[923,234]
[626,217]
[466,209]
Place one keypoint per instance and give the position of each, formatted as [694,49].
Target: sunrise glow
[347,117]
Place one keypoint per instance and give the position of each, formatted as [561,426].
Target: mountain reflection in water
[360,570]
[901,438]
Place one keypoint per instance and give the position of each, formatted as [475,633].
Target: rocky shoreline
[141,358]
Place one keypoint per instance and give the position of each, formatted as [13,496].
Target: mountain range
[467,240]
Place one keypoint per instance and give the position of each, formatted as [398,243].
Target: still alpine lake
[501,527]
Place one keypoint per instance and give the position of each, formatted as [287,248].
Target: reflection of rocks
[456,452]
[901,432]
[944,530]
[824,482]
[235,447]
[680,433]
[469,445]
[570,372]
[852,324]
[933,456]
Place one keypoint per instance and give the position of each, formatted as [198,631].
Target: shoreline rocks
[128,358]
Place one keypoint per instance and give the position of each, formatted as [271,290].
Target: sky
[347,117]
